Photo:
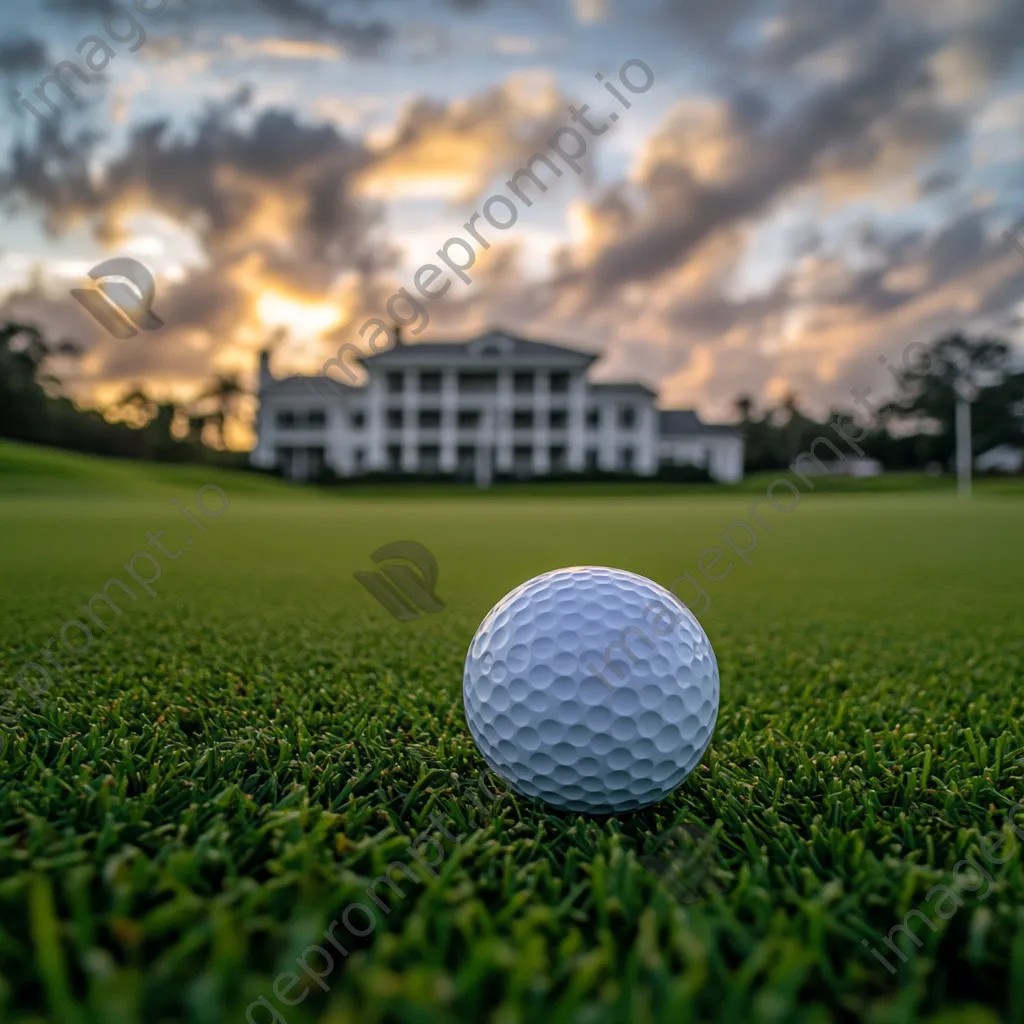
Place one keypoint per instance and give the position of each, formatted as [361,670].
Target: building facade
[497,404]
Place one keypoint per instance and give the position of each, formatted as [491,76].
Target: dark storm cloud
[937,181]
[50,174]
[99,8]
[714,314]
[958,247]
[958,261]
[831,126]
[1000,39]
[711,21]
[218,179]
[809,26]
[18,56]
[319,20]
[368,35]
[269,198]
[944,257]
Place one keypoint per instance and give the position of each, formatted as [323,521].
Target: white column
[647,439]
[337,438]
[376,448]
[577,422]
[541,430]
[449,420]
[607,436]
[410,422]
[503,424]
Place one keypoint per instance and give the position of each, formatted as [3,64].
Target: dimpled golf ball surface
[594,689]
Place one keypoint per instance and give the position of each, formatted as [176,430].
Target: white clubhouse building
[497,404]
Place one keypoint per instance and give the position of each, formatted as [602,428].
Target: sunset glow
[303,320]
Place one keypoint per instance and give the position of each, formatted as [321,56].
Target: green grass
[34,470]
[233,762]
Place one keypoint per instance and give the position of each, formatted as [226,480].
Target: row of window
[477,383]
[522,419]
[428,458]
[302,418]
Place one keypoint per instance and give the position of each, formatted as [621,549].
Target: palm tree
[196,425]
[744,408]
[24,410]
[225,390]
[135,406]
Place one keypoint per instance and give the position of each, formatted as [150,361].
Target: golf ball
[593,689]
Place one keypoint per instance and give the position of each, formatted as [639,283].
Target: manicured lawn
[232,763]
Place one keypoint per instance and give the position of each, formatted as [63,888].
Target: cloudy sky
[807,185]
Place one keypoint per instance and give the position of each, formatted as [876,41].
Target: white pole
[963,447]
[484,449]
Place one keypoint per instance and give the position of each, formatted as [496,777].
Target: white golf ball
[593,689]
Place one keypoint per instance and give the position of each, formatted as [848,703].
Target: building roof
[502,346]
[626,387]
[685,423]
[317,385]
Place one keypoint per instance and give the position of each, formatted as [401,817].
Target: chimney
[266,378]
[397,333]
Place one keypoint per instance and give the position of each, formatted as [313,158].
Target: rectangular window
[477,383]
[591,459]
[395,383]
[627,417]
[522,460]
[360,458]
[430,383]
[559,383]
[395,418]
[626,459]
[558,419]
[469,418]
[466,458]
[394,457]
[430,419]
[522,383]
[593,418]
[522,419]
[429,458]
[556,457]
[302,419]
[358,420]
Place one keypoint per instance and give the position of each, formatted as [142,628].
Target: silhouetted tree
[225,391]
[927,400]
[33,410]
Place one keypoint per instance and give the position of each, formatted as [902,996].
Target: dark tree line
[137,426]
[915,427]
